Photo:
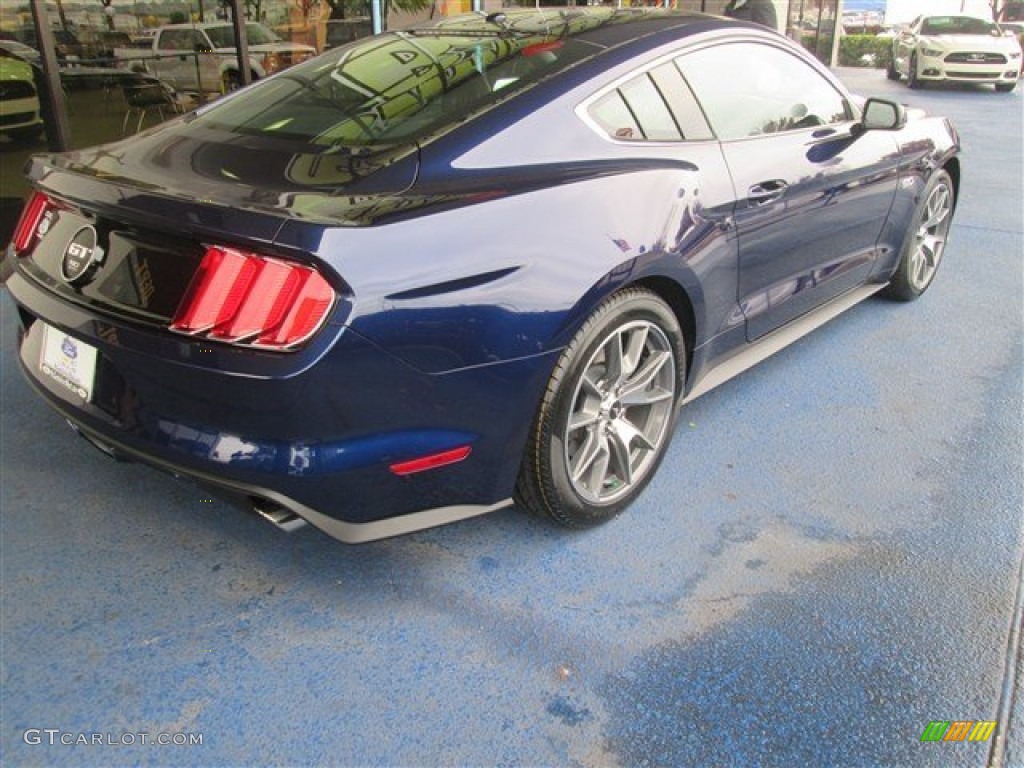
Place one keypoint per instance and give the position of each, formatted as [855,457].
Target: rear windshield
[402,86]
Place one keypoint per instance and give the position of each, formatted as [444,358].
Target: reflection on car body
[432,272]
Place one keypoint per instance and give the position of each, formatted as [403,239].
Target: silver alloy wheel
[930,238]
[621,411]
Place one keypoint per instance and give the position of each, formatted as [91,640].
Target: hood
[973,42]
[281,47]
[15,69]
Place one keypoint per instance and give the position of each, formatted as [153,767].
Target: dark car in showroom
[435,272]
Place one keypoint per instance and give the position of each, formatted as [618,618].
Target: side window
[654,106]
[175,40]
[748,89]
[611,113]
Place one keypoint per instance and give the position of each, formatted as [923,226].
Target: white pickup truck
[201,57]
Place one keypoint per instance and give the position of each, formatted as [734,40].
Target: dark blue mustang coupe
[437,271]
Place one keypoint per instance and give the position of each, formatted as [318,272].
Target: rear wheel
[607,415]
[926,240]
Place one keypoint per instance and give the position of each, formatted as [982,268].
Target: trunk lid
[155,202]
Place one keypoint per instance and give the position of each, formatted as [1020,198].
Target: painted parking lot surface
[826,565]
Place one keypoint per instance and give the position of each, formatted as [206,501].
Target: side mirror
[882,115]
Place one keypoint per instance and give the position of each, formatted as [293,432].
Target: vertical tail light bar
[250,300]
[28,222]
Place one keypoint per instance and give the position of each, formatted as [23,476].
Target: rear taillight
[246,299]
[28,225]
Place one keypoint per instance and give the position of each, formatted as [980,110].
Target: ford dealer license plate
[68,361]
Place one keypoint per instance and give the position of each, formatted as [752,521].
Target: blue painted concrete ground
[828,560]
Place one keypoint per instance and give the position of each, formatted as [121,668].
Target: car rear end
[257,296]
[186,335]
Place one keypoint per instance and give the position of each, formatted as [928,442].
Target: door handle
[766,191]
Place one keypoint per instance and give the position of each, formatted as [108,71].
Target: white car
[959,49]
[202,57]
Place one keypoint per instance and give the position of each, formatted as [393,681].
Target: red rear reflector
[432,461]
[243,298]
[28,223]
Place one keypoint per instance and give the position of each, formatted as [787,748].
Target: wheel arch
[952,167]
[673,294]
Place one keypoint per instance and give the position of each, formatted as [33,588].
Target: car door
[812,191]
[178,57]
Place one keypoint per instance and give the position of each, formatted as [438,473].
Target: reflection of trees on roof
[404,86]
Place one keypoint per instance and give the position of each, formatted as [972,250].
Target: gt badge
[80,256]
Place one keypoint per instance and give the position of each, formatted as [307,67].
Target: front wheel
[1005,87]
[912,79]
[26,135]
[890,70]
[233,80]
[925,242]
[608,412]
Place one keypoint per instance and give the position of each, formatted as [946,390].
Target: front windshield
[958,25]
[401,86]
[224,37]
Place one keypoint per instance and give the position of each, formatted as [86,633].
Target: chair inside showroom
[146,97]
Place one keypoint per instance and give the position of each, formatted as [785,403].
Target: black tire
[1005,87]
[232,80]
[912,79]
[925,242]
[650,345]
[26,135]
[890,70]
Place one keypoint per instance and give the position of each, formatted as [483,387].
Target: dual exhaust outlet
[281,517]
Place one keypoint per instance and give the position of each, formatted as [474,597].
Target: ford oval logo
[79,256]
[68,348]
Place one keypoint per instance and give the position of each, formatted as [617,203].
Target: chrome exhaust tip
[283,518]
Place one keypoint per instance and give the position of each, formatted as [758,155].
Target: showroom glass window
[769,90]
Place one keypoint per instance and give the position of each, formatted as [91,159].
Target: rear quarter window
[653,106]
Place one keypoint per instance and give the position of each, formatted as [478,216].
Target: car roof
[601,25]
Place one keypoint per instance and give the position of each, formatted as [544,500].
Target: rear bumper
[317,439]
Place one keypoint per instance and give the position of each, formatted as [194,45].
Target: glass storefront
[122,66]
[104,32]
